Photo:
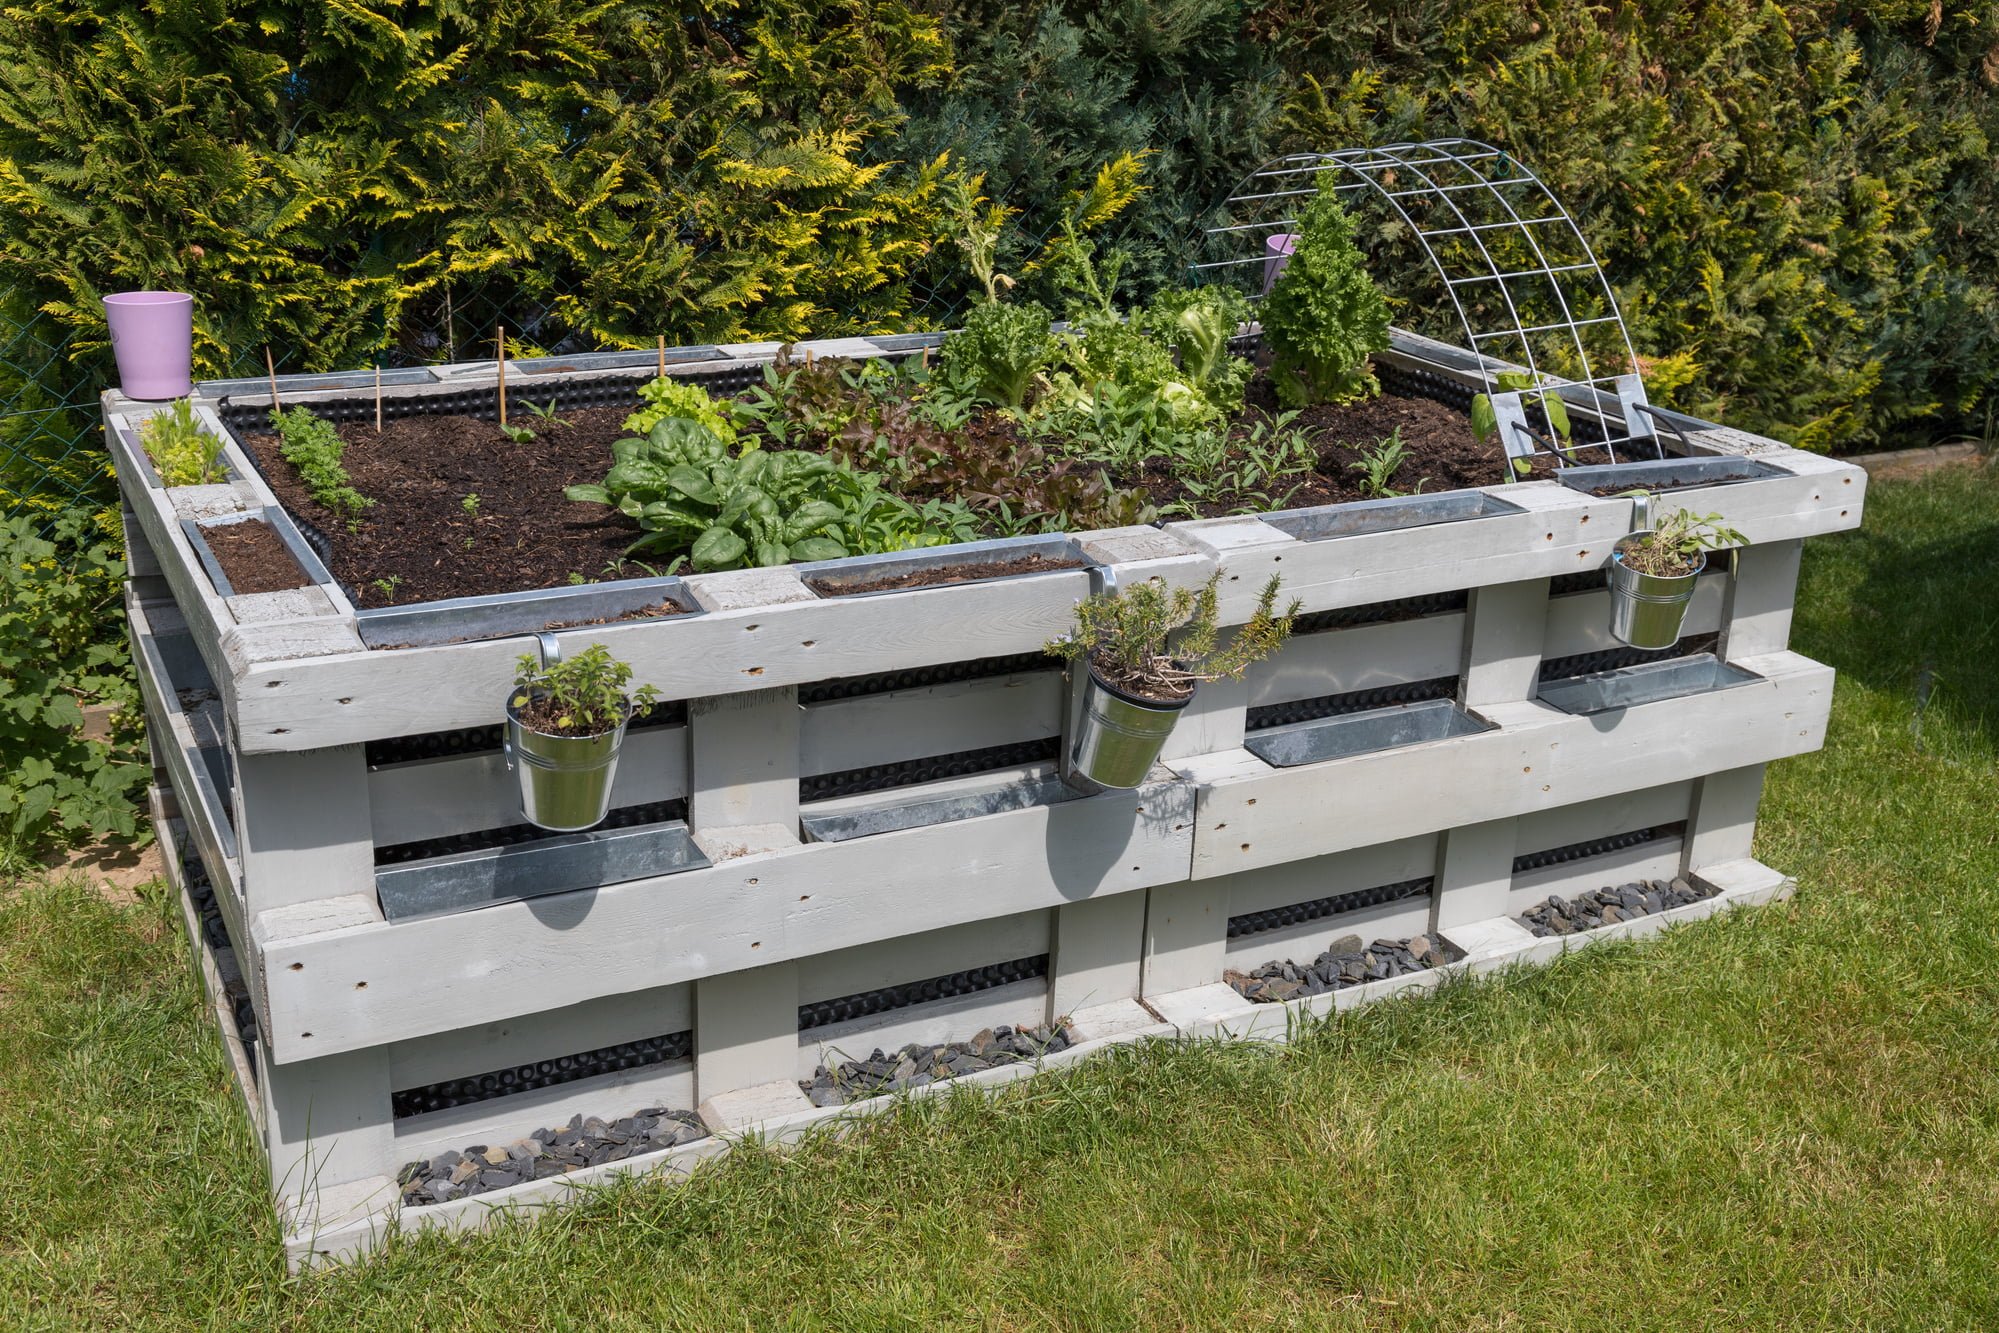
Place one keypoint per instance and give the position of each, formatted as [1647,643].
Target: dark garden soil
[254,558]
[957,573]
[418,539]
[1662,487]
[419,543]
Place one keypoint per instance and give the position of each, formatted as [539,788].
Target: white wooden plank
[745,1029]
[843,734]
[1474,871]
[485,1048]
[1097,952]
[465,793]
[1313,877]
[744,760]
[1762,593]
[206,616]
[1722,823]
[304,828]
[1360,658]
[1216,718]
[1507,629]
[292,705]
[934,953]
[1186,935]
[1579,622]
[438,974]
[1536,759]
[1605,817]
[329,1121]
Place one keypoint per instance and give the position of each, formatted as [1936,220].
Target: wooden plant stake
[662,356]
[271,370]
[378,395]
[503,376]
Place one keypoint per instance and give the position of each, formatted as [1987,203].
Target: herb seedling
[470,504]
[1674,548]
[1485,421]
[182,452]
[518,434]
[1123,636]
[315,449]
[584,695]
[575,577]
[387,587]
[1379,465]
[545,413]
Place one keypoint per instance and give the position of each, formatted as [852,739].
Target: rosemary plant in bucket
[565,724]
[1146,648]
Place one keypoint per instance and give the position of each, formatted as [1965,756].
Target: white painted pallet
[1123,898]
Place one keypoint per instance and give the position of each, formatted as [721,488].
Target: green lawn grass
[1781,1119]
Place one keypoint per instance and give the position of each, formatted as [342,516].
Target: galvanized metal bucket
[1646,609]
[565,780]
[1120,735]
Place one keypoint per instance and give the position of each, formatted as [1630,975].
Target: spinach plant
[315,450]
[1378,465]
[182,452]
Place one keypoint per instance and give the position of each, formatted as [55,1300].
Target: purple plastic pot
[1277,254]
[152,334]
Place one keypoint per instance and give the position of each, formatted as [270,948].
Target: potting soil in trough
[420,542]
[546,1153]
[1608,906]
[254,558]
[954,573]
[1346,963]
[917,1065]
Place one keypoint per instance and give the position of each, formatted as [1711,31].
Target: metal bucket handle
[549,649]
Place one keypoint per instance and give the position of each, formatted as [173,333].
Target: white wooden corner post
[1506,628]
[305,826]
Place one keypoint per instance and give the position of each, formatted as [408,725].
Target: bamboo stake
[503,376]
[662,356]
[271,369]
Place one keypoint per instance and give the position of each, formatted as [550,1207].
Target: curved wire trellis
[1514,268]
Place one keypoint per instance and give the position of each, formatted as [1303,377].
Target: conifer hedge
[1796,200]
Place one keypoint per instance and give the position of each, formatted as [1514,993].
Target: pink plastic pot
[1277,254]
[152,334]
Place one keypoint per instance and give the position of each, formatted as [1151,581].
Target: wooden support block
[1722,825]
[1215,720]
[1507,627]
[304,826]
[1760,598]
[745,1029]
[1096,953]
[329,1121]
[745,759]
[1474,873]
[1186,935]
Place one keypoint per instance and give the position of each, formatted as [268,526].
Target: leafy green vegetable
[315,449]
[1325,316]
[1199,322]
[669,397]
[1000,351]
[182,452]
[62,648]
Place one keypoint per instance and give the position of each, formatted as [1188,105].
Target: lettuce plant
[182,452]
[669,397]
[1325,317]
[1198,323]
[1000,351]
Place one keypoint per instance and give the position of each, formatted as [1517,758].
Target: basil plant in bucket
[565,725]
[1142,676]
